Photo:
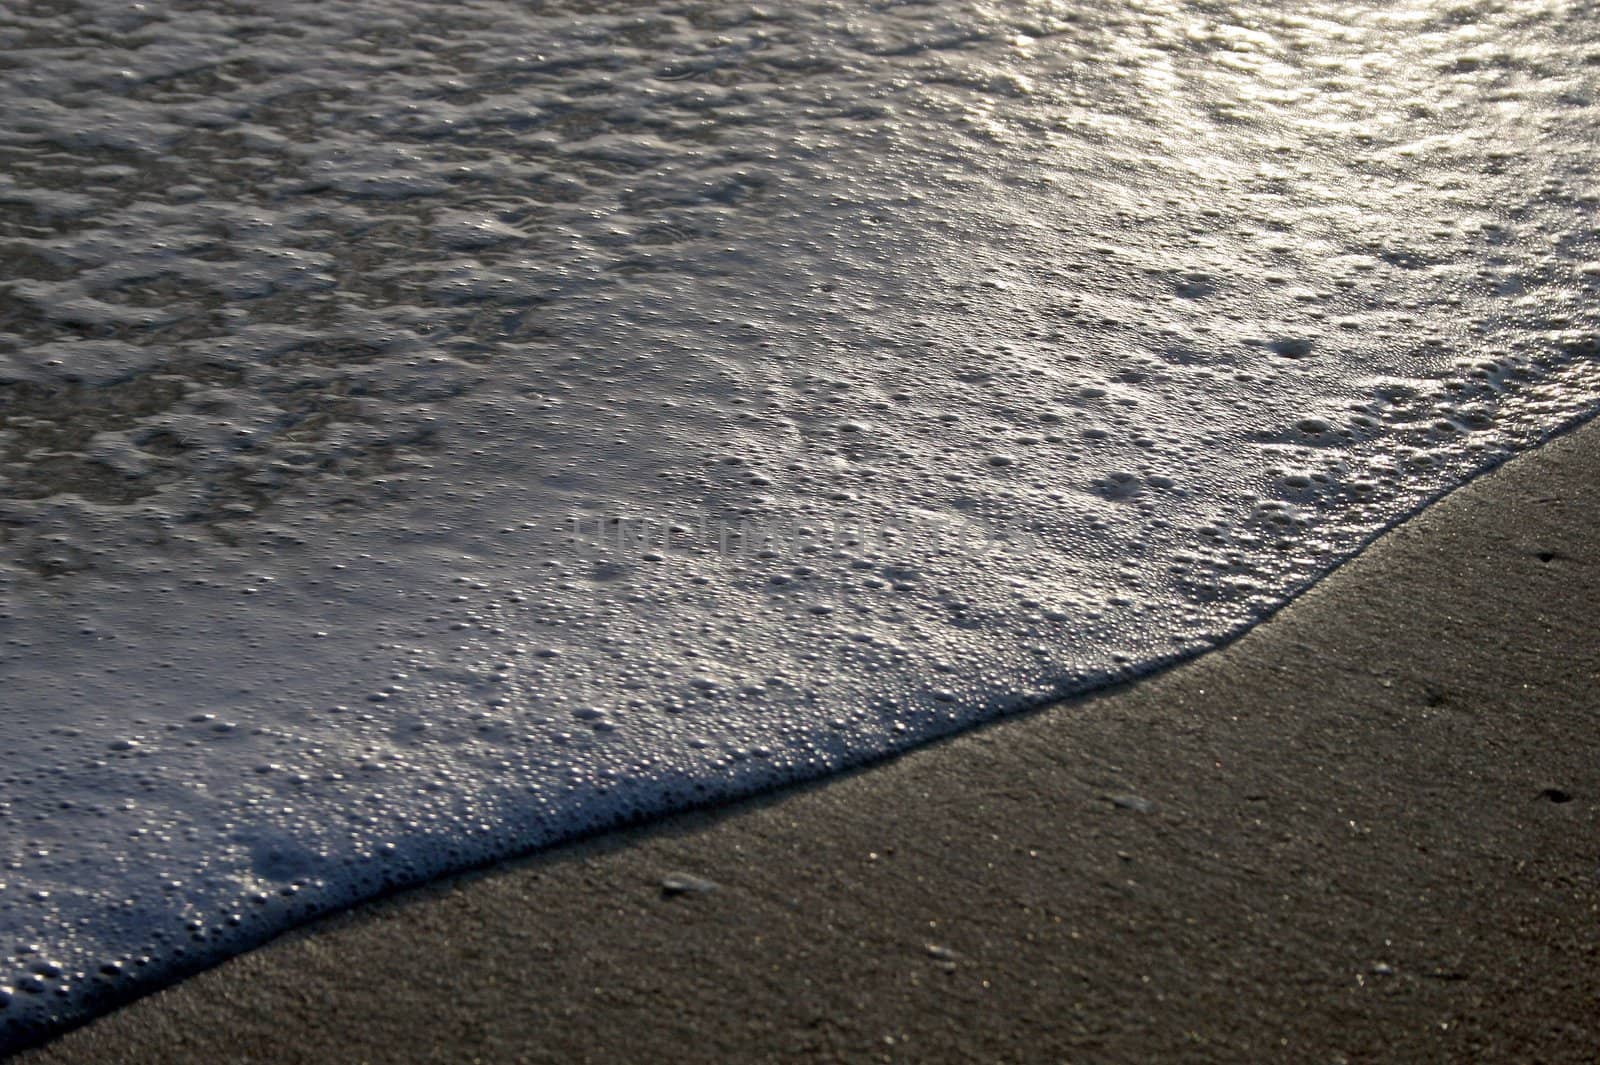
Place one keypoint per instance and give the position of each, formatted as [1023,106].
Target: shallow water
[433,430]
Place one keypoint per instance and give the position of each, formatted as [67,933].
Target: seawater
[433,430]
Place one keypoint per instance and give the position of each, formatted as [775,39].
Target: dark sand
[1369,830]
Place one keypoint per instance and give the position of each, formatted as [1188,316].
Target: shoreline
[1365,828]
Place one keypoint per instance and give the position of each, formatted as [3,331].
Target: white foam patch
[434,430]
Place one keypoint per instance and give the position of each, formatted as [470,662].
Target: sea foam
[433,430]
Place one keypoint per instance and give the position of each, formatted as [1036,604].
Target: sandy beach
[1365,831]
[433,434]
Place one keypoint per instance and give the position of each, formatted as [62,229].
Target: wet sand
[1368,830]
